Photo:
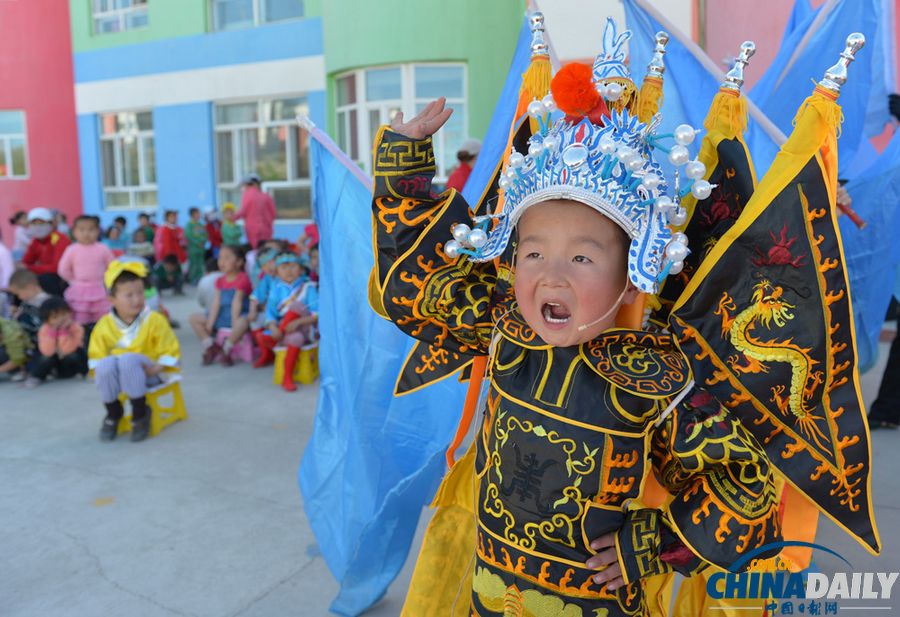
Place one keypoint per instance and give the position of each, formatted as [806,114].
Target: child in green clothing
[196,239]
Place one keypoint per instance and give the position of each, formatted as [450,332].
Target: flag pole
[767,125]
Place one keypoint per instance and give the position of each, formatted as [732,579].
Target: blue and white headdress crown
[609,167]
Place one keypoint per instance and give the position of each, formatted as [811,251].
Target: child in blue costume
[578,413]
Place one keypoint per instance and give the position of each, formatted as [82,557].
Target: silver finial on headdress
[836,76]
[536,23]
[657,65]
[734,79]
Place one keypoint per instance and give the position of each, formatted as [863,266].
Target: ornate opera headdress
[599,155]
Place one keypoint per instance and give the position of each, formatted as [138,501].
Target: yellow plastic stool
[305,371]
[166,406]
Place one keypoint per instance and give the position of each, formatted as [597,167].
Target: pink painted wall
[731,22]
[36,76]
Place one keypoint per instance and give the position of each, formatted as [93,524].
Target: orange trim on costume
[477,376]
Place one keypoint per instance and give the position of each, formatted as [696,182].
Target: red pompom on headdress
[574,92]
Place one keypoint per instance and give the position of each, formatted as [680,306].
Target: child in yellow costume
[543,516]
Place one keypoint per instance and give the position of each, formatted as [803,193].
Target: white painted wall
[575,27]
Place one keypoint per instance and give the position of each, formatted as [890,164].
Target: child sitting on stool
[286,289]
[131,350]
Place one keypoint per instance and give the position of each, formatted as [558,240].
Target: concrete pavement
[207,519]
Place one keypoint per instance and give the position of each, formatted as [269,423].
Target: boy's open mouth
[555,313]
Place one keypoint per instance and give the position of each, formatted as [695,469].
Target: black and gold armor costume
[568,436]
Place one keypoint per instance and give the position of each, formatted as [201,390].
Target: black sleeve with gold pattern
[725,502]
[442,301]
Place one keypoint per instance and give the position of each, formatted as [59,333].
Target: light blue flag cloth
[688,87]
[800,12]
[787,81]
[373,460]
[873,253]
[493,148]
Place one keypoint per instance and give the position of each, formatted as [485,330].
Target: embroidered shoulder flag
[770,304]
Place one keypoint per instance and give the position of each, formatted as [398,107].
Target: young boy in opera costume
[558,508]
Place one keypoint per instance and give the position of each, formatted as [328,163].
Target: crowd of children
[99,314]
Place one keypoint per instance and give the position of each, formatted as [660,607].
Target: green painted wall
[481,33]
[168,18]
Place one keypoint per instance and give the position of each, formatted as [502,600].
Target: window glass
[232,14]
[435,81]
[19,165]
[241,113]
[383,84]
[12,122]
[346,90]
[119,15]
[277,10]
[262,137]
[128,159]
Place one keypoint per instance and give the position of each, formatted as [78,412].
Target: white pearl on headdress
[678,217]
[551,142]
[535,109]
[461,232]
[684,134]
[680,238]
[701,189]
[503,182]
[510,173]
[651,181]
[516,159]
[600,87]
[477,238]
[613,91]
[607,145]
[535,148]
[452,248]
[664,203]
[695,170]
[679,155]
[677,267]
[636,163]
[676,251]
[549,104]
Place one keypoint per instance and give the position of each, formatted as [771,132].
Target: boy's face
[288,272]
[228,215]
[143,221]
[570,270]
[195,216]
[128,299]
[169,267]
[25,292]
[139,236]
[269,267]
[172,218]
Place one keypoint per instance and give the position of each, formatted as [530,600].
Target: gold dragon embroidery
[768,306]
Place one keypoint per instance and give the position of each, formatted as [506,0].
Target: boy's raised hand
[426,123]
[612,575]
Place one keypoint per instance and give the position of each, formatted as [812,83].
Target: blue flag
[811,48]
[873,253]
[373,460]
[688,86]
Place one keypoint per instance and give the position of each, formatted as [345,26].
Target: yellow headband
[228,206]
[117,267]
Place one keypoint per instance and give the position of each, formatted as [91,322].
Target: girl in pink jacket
[82,266]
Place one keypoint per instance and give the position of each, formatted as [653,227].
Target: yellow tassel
[727,114]
[536,80]
[823,102]
[651,98]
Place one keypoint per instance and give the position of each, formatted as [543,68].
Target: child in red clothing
[170,240]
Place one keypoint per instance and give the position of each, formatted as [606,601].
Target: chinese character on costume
[730,382]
